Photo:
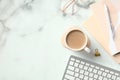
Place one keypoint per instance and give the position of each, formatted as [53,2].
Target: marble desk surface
[30,43]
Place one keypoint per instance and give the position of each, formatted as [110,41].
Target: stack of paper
[103,24]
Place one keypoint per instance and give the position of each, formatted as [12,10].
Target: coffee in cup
[75,39]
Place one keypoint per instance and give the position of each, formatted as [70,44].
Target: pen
[111,31]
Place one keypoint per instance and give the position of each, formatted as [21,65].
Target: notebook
[97,26]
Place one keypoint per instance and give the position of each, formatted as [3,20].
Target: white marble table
[30,47]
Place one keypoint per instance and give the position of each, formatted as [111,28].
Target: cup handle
[87,49]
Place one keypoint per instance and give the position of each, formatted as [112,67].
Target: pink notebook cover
[97,26]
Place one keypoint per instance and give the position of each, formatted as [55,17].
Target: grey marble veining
[22,37]
[7,10]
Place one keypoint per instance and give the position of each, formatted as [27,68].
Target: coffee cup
[75,39]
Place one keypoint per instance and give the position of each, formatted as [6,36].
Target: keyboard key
[90,79]
[77,79]
[78,61]
[82,62]
[116,74]
[94,71]
[77,69]
[81,71]
[101,69]
[71,68]
[109,75]
[85,67]
[91,74]
[111,72]
[70,72]
[113,77]
[76,64]
[69,77]
[72,59]
[100,78]
[118,78]
[81,66]
[99,72]
[87,64]
[81,76]
[96,76]
[92,66]
[71,63]
[86,73]
[107,71]
[76,75]
[97,67]
[90,69]
[85,77]
[104,74]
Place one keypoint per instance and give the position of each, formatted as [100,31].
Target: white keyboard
[81,69]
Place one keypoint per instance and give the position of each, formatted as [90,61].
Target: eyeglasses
[73,4]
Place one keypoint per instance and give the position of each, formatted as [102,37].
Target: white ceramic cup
[84,47]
